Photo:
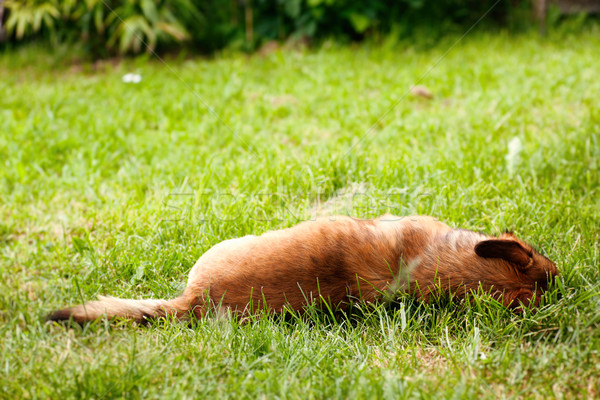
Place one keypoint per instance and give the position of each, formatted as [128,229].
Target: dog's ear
[509,250]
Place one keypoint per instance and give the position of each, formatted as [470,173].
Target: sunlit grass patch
[112,188]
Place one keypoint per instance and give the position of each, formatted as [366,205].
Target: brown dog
[336,259]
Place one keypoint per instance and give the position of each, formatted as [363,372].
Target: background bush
[108,27]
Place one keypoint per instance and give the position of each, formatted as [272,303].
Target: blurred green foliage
[132,26]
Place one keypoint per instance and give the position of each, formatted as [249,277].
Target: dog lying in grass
[340,259]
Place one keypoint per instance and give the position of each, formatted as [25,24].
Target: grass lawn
[117,188]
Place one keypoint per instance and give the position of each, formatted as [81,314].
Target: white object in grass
[513,158]
[132,78]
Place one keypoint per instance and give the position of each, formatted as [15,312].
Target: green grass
[114,188]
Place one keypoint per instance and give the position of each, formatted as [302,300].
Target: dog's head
[529,271]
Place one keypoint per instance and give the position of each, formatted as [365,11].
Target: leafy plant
[134,26]
[140,25]
[121,26]
[30,16]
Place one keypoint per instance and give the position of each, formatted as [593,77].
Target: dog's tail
[111,307]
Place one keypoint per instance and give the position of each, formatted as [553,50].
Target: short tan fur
[338,259]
